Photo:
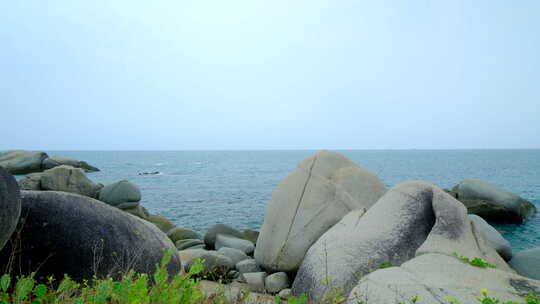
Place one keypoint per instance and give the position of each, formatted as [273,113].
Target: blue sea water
[197,189]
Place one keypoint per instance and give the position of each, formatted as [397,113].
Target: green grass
[477,262]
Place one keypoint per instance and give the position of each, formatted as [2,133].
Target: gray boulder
[31,181]
[61,178]
[234,254]
[232,242]
[162,223]
[52,162]
[491,202]
[434,278]
[276,282]
[249,265]
[307,203]
[216,266]
[121,194]
[255,281]
[64,233]
[22,162]
[138,211]
[10,206]
[527,263]
[250,235]
[493,237]
[412,218]
[177,234]
[210,236]
[188,243]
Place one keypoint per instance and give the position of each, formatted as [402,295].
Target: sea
[198,189]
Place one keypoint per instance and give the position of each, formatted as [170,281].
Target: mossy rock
[177,234]
[163,224]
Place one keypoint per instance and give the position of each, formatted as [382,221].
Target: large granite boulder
[64,233]
[52,162]
[412,218]
[122,194]
[10,206]
[61,178]
[527,263]
[493,237]
[309,201]
[22,162]
[434,278]
[491,202]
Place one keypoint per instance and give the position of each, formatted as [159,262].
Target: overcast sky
[279,74]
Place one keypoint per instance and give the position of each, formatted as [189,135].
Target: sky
[280,74]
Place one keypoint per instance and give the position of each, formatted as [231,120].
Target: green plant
[478,262]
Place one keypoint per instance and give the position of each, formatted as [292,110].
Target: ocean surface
[197,189]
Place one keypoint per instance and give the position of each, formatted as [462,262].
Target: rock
[493,237]
[31,181]
[177,234]
[121,194]
[307,203]
[216,266]
[63,178]
[138,211]
[210,236]
[527,263]
[492,203]
[285,293]
[232,242]
[412,218]
[434,277]
[52,162]
[250,235]
[233,293]
[162,223]
[246,266]
[188,243]
[234,254]
[276,282]
[255,281]
[22,162]
[64,233]
[233,275]
[10,206]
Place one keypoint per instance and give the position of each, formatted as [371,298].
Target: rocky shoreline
[330,228]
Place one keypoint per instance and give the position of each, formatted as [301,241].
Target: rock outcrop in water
[52,162]
[23,162]
[64,233]
[307,203]
[491,202]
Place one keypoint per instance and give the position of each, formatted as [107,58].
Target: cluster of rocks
[24,162]
[228,257]
[330,228]
[57,233]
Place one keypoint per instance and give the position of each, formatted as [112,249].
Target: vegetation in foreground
[159,288]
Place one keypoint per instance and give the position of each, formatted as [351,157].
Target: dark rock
[210,236]
[527,263]
[10,206]
[491,202]
[65,233]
